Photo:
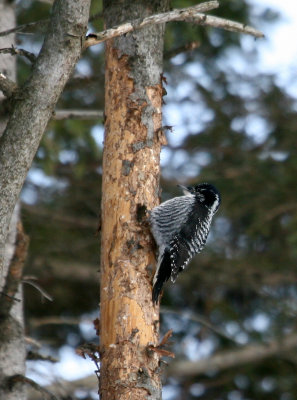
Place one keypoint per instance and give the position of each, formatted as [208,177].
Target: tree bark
[12,346]
[32,107]
[34,104]
[133,139]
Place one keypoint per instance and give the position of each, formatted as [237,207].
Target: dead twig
[19,52]
[38,287]
[15,379]
[43,23]
[77,114]
[160,348]
[182,14]
[191,14]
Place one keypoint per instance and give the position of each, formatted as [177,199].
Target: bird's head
[206,193]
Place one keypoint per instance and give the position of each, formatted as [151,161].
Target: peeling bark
[131,168]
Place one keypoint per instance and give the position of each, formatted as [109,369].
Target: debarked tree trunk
[131,169]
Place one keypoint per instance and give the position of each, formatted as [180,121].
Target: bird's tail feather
[162,275]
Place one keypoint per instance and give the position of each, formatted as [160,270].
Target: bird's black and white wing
[189,241]
[182,243]
[168,218]
[180,227]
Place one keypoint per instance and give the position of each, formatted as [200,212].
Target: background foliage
[233,126]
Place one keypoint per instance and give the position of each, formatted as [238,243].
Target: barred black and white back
[180,227]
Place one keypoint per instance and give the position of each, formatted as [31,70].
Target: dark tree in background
[235,306]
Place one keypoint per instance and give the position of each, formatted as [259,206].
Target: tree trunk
[12,346]
[131,168]
[36,100]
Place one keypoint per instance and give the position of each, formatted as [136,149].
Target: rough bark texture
[12,343]
[133,139]
[34,104]
[7,67]
[12,346]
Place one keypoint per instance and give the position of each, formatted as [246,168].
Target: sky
[278,51]
[277,54]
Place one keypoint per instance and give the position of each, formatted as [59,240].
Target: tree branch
[21,28]
[182,14]
[36,102]
[37,322]
[228,25]
[77,114]
[34,355]
[62,217]
[20,52]
[182,49]
[190,14]
[15,379]
[66,389]
[197,318]
[234,358]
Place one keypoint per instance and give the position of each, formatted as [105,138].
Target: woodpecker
[180,227]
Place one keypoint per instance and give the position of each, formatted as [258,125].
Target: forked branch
[191,14]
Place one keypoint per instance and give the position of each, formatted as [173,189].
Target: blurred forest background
[232,126]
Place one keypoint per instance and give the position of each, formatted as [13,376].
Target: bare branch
[234,358]
[229,25]
[34,355]
[38,287]
[7,86]
[77,114]
[182,14]
[65,389]
[190,14]
[15,379]
[62,217]
[36,322]
[21,52]
[182,49]
[43,23]
[201,320]
[32,342]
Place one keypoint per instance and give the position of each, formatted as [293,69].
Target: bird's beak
[185,190]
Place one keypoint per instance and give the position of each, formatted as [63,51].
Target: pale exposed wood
[129,322]
[126,305]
